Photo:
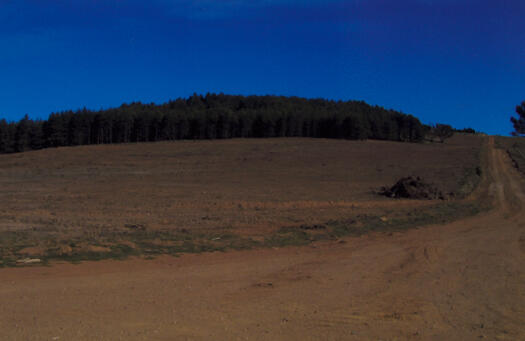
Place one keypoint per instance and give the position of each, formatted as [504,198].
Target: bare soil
[459,281]
[73,198]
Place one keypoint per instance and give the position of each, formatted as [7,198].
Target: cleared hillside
[450,281]
[240,187]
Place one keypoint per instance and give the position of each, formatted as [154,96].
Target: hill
[450,281]
[212,117]
[60,200]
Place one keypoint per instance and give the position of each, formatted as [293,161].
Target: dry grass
[242,186]
[515,147]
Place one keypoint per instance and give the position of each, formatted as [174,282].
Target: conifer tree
[519,123]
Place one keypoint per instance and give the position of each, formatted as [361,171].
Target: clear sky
[453,61]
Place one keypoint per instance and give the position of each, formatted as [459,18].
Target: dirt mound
[412,188]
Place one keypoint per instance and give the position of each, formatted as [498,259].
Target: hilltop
[214,116]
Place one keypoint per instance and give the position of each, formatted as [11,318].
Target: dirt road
[461,281]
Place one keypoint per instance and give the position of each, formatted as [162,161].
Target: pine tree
[519,123]
[22,141]
[4,136]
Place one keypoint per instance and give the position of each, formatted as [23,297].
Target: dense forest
[214,116]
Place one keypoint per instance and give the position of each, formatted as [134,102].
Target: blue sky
[460,62]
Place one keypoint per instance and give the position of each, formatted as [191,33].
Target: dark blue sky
[453,61]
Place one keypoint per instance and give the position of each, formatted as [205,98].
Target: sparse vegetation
[113,202]
[515,147]
[466,131]
[441,132]
[123,244]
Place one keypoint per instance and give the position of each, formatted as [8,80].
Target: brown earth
[239,183]
[460,281]
[112,201]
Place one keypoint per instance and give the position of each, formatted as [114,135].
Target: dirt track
[461,281]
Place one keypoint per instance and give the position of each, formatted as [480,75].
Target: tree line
[213,116]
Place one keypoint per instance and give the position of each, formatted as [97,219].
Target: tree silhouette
[212,117]
[519,123]
[442,131]
[4,137]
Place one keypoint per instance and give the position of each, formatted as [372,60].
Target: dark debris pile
[412,188]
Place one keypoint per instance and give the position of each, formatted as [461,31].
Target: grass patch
[120,245]
[363,224]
